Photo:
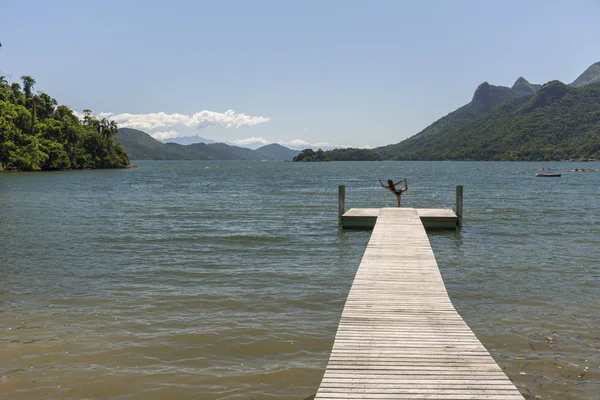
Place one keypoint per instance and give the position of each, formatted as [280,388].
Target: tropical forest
[37,134]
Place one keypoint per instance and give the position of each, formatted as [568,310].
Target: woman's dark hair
[391,184]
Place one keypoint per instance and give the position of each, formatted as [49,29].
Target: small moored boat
[548,175]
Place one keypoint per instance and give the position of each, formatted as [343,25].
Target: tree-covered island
[36,134]
[309,155]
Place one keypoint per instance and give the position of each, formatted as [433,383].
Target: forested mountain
[187,140]
[309,155]
[37,135]
[141,146]
[276,151]
[486,98]
[557,123]
[350,154]
[353,154]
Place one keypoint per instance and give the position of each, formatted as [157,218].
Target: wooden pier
[431,218]
[399,336]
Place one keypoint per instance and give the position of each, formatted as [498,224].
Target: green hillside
[276,151]
[557,123]
[38,135]
[486,98]
[141,146]
[228,152]
[353,154]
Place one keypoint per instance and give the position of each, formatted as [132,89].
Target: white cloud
[243,142]
[164,135]
[322,144]
[301,142]
[294,142]
[198,120]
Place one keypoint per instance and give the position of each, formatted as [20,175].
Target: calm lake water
[226,280]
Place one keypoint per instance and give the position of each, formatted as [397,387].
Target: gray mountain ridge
[141,146]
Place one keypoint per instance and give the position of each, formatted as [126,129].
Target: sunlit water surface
[226,280]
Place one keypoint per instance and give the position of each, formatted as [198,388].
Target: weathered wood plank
[399,336]
[431,218]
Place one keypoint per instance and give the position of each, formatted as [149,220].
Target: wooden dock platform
[399,336]
[432,218]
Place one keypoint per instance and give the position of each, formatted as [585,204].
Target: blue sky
[338,72]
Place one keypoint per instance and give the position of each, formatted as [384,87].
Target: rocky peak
[550,92]
[522,87]
[521,81]
[589,76]
[487,97]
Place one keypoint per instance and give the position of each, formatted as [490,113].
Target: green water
[225,280]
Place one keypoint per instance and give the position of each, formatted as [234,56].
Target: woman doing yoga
[391,186]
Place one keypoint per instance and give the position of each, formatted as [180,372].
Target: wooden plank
[431,218]
[399,336]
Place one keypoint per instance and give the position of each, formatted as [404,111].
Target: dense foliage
[36,134]
[353,154]
[309,155]
[557,123]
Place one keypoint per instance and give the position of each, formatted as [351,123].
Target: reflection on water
[223,280]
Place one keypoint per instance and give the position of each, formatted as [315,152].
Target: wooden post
[459,204]
[341,201]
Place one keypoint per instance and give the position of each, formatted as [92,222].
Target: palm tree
[28,83]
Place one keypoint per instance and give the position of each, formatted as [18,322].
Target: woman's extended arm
[405,180]
[387,187]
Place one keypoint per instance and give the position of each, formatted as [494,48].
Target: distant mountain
[141,146]
[589,76]
[523,88]
[301,147]
[276,151]
[187,140]
[486,98]
[557,123]
[235,152]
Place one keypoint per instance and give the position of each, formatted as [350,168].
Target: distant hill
[276,151]
[353,154]
[523,88]
[141,146]
[589,76]
[486,98]
[185,140]
[557,123]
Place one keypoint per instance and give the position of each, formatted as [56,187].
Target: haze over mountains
[141,146]
[526,121]
[254,145]
[185,140]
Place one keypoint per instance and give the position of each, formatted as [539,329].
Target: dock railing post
[341,202]
[459,204]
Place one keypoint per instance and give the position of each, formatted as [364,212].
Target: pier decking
[432,218]
[399,336]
